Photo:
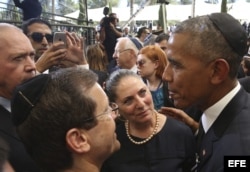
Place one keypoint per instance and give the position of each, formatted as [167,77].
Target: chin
[180,105]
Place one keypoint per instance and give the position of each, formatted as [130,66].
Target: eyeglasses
[113,111]
[38,37]
[163,48]
[119,52]
[140,63]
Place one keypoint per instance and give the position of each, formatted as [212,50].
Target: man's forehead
[9,33]
[15,40]
[39,27]
[122,43]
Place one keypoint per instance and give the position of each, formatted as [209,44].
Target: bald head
[5,27]
[16,59]
[7,31]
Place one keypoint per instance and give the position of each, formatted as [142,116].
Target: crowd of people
[174,101]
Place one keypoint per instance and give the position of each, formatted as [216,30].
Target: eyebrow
[171,60]
[130,97]
[22,54]
[175,62]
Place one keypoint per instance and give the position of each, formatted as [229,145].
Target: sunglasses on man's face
[38,37]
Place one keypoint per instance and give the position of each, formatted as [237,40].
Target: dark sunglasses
[38,37]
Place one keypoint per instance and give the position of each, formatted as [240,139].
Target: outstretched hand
[75,49]
[51,57]
[181,116]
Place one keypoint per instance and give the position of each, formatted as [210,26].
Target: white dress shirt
[211,114]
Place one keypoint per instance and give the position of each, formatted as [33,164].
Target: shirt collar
[212,113]
[5,103]
[134,69]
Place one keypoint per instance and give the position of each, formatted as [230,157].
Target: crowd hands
[144,113]
[72,54]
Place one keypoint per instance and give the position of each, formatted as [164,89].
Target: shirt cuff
[85,66]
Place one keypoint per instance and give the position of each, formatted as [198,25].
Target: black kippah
[137,43]
[26,96]
[232,31]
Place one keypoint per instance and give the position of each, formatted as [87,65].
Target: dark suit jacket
[19,159]
[31,8]
[229,135]
[245,82]
[167,101]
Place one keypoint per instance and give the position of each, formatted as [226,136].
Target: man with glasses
[40,35]
[48,54]
[16,66]
[142,33]
[125,54]
[65,126]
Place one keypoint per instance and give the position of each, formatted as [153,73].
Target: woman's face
[146,67]
[134,100]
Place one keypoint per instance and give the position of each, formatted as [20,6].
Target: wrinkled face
[187,77]
[134,100]
[16,61]
[146,67]
[162,45]
[39,46]
[124,57]
[102,136]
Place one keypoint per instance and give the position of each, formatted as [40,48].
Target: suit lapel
[7,127]
[220,125]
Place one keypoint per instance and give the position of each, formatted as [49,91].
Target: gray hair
[128,44]
[207,43]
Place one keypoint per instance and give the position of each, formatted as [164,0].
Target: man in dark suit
[245,82]
[16,65]
[204,55]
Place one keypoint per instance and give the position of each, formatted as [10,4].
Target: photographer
[109,34]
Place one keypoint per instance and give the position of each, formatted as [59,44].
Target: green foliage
[101,3]
[82,14]
[160,18]
[162,12]
[224,6]
[174,2]
[66,6]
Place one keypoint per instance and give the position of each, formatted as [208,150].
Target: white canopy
[174,12]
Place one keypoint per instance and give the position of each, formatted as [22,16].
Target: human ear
[220,71]
[156,62]
[77,140]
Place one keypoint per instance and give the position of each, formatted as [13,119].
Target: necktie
[200,134]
